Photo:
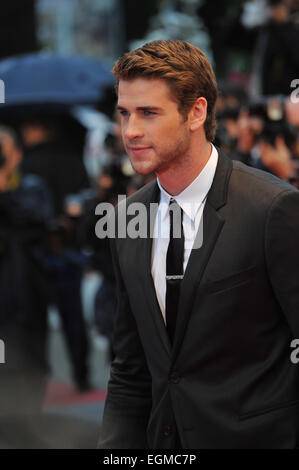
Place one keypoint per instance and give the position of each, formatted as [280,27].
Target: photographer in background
[275,139]
[277,50]
[261,135]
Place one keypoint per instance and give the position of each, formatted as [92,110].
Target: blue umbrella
[43,78]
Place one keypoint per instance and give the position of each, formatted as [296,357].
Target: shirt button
[167,431]
[175,378]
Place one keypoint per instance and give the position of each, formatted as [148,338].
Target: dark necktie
[174,266]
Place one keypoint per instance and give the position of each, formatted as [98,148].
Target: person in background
[55,158]
[276,50]
[11,148]
[25,211]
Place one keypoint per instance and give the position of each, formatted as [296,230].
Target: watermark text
[2,91]
[295,354]
[138,220]
[2,352]
[294,96]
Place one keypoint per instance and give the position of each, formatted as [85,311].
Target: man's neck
[175,179]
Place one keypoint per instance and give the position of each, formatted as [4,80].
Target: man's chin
[142,168]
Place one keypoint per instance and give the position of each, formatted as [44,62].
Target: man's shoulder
[143,195]
[257,183]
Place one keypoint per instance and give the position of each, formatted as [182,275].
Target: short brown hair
[185,68]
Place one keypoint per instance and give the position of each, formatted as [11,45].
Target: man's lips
[138,149]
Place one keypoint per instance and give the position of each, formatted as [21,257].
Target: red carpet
[65,394]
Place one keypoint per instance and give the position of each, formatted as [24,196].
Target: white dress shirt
[192,201]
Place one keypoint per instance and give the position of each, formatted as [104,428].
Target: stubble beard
[175,156]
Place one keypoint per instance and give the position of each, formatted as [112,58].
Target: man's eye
[124,113]
[148,113]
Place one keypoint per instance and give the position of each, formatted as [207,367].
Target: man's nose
[133,128]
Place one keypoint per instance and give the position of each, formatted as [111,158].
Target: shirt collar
[191,198]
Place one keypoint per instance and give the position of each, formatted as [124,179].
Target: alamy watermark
[2,91]
[136,220]
[294,96]
[295,354]
[2,352]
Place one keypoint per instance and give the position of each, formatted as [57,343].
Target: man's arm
[282,254]
[129,398]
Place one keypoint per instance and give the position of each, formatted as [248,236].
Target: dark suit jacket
[228,381]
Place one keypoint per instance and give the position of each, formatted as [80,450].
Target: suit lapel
[212,226]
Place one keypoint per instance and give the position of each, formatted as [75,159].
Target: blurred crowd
[47,213]
[262,134]
[47,244]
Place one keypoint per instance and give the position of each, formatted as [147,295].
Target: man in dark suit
[202,346]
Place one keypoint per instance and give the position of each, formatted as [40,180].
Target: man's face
[154,133]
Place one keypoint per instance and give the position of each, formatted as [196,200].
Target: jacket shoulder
[142,195]
[258,184]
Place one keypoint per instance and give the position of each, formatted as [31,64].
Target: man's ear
[198,114]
